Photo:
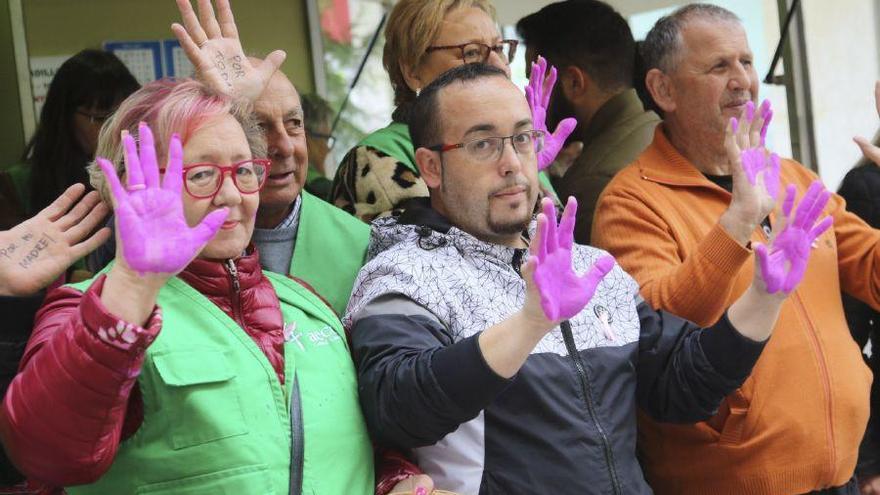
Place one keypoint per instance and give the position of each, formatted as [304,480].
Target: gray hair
[663,45]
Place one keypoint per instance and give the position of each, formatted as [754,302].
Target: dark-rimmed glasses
[490,149]
[95,118]
[203,180]
[473,53]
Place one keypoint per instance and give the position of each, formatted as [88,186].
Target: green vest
[330,249]
[394,141]
[216,418]
[20,176]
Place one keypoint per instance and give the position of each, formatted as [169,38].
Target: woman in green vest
[183,368]
[422,41]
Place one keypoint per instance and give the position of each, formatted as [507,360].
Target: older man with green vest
[297,232]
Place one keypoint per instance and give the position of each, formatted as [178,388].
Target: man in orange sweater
[681,220]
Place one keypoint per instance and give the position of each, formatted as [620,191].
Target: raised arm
[685,371]
[668,277]
[63,416]
[538,93]
[211,43]
[869,149]
[417,385]
[37,251]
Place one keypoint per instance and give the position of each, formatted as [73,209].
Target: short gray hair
[662,47]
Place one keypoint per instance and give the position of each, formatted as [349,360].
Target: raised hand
[759,165]
[538,95]
[784,264]
[153,235]
[871,150]
[37,251]
[215,50]
[563,293]
[755,173]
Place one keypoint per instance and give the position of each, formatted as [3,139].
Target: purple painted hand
[784,265]
[767,115]
[563,293]
[152,230]
[538,95]
[756,161]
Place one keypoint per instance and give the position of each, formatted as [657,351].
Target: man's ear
[429,164]
[574,83]
[660,87]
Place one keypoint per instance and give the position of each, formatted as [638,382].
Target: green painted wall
[11,135]
[63,27]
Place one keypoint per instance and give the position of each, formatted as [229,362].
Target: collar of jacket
[662,163]
[435,230]
[211,278]
[618,108]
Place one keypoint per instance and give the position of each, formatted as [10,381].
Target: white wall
[842,50]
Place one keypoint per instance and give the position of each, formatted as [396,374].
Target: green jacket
[217,420]
[330,248]
[394,140]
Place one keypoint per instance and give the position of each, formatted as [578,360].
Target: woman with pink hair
[183,367]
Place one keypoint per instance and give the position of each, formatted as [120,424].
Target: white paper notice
[43,69]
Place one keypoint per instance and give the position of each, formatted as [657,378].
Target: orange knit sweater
[796,423]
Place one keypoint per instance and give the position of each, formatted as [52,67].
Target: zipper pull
[233,272]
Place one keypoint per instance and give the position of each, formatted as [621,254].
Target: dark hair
[662,45]
[92,79]
[588,34]
[316,111]
[425,127]
[640,71]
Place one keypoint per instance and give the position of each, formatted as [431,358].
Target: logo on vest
[323,336]
[318,337]
[290,334]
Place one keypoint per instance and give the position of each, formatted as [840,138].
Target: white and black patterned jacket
[566,423]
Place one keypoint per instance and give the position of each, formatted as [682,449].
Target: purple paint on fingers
[755,162]
[538,94]
[563,293]
[784,264]
[153,234]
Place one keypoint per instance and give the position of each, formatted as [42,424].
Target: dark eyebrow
[523,123]
[480,128]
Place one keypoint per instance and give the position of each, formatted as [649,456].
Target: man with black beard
[593,48]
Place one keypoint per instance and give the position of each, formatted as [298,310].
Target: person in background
[84,92]
[685,223]
[593,49]
[422,40]
[861,190]
[318,117]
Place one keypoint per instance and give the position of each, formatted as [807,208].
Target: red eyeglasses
[203,180]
